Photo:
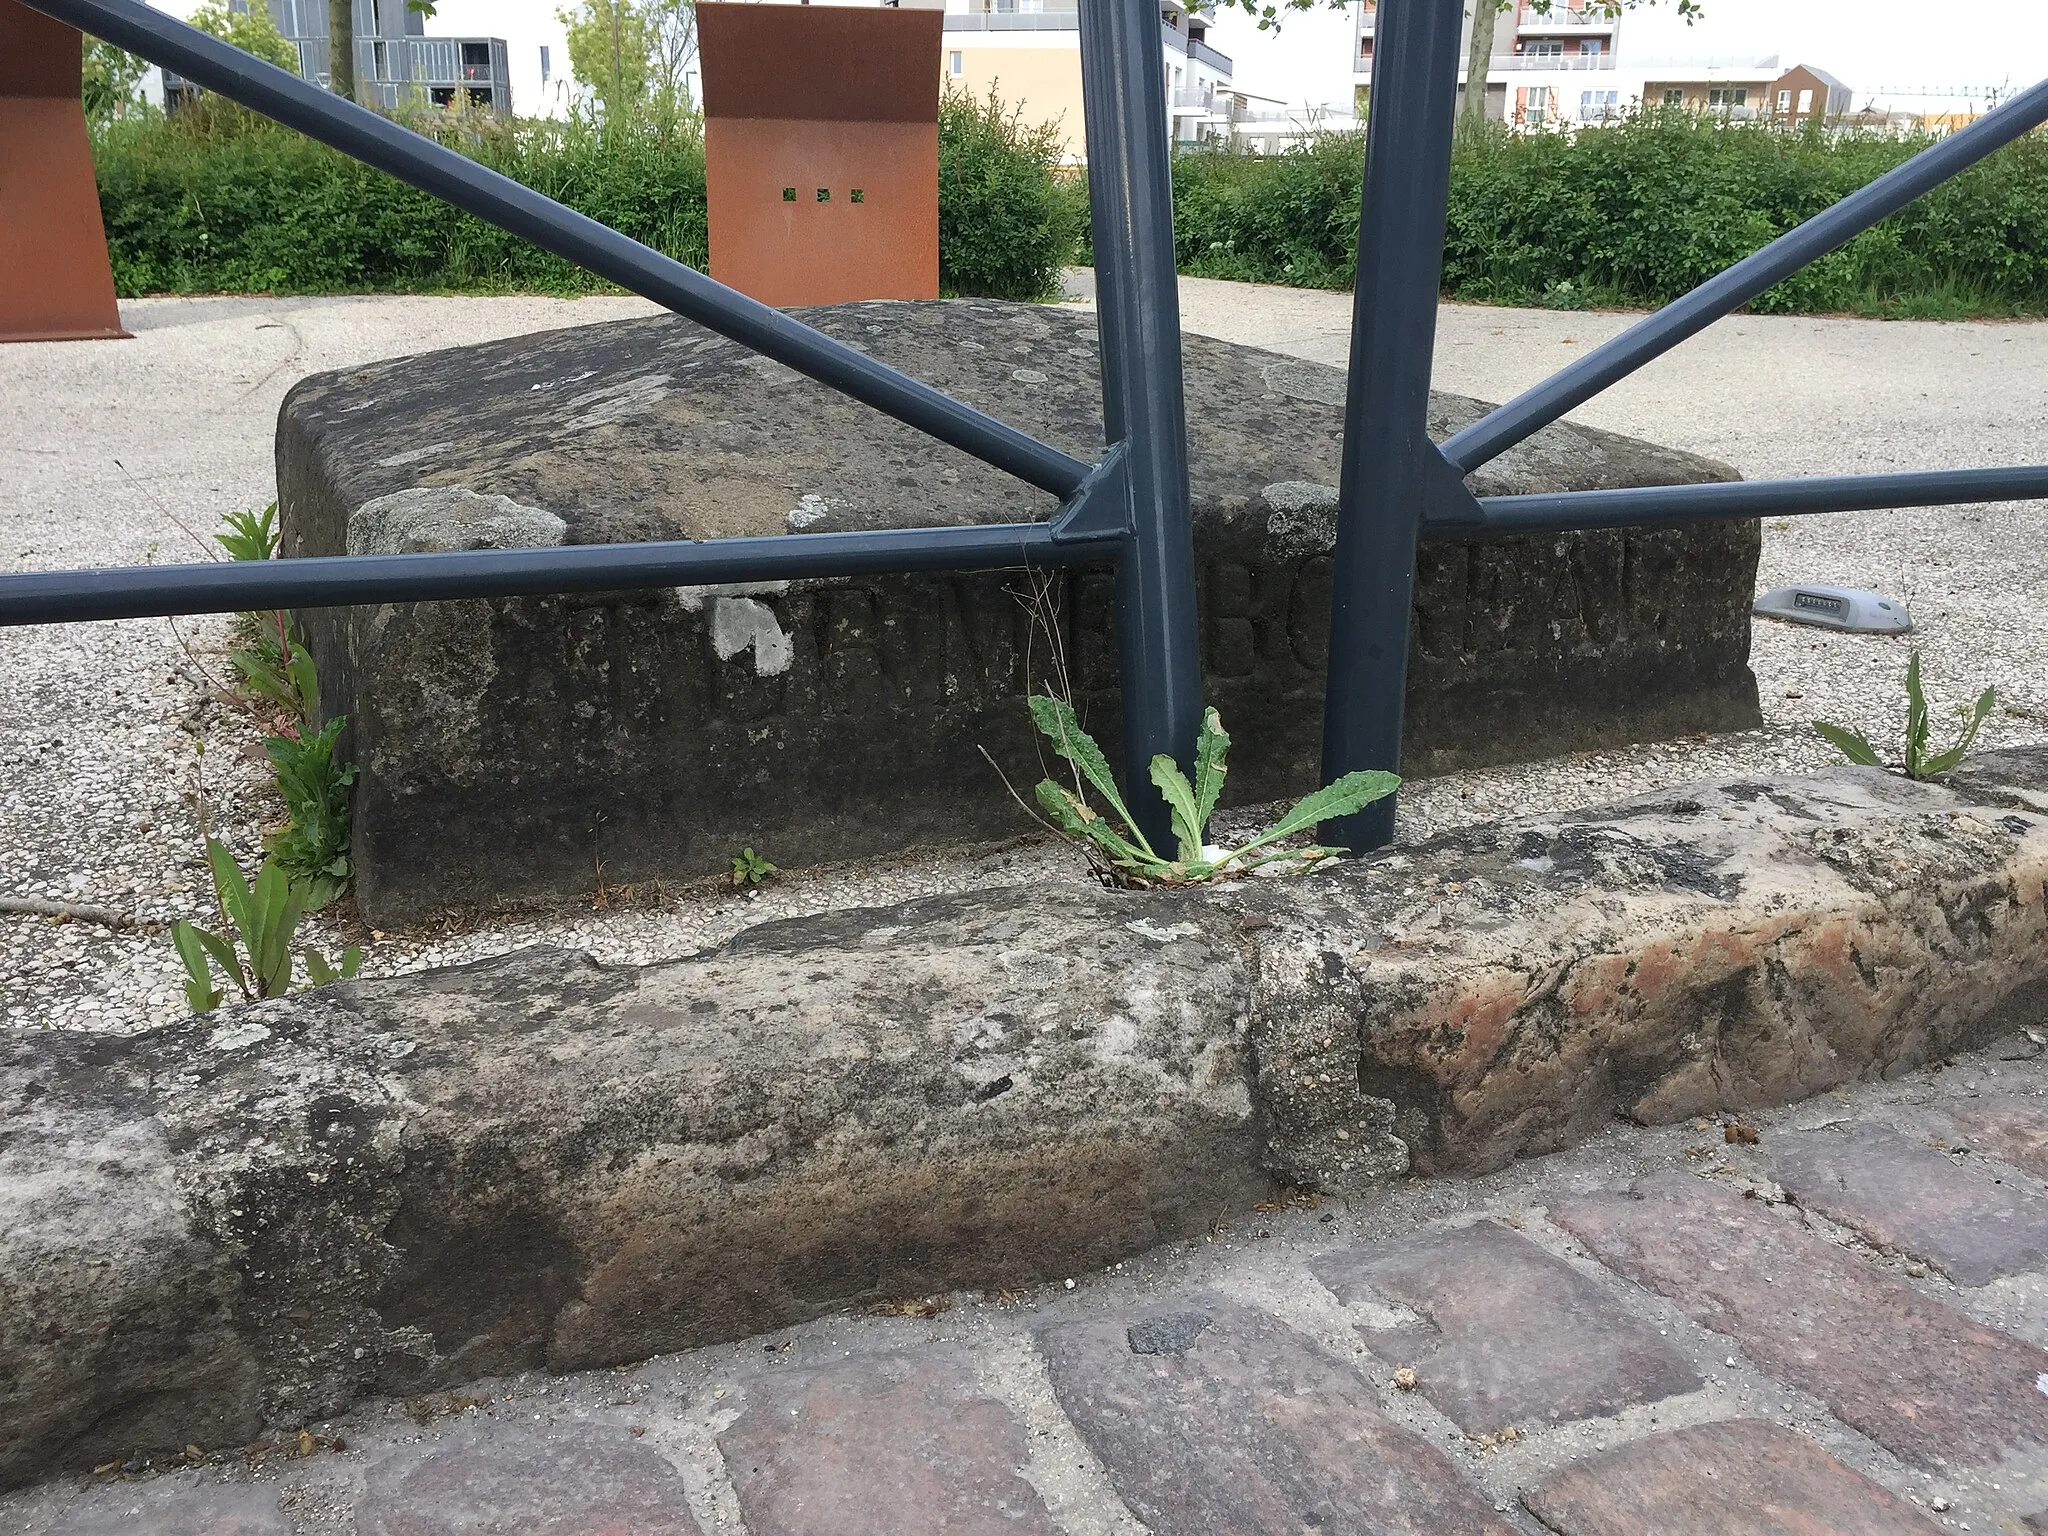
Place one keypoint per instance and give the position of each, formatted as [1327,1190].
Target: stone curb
[383,1186]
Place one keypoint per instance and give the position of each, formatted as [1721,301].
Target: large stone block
[257,1217]
[508,746]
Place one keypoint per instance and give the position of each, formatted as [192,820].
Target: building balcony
[1180,42]
[1013,21]
[1522,62]
[1562,20]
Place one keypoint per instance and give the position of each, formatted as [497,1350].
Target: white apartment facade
[1567,68]
[1028,52]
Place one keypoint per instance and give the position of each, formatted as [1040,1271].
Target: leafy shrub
[1006,219]
[218,200]
[312,846]
[1638,212]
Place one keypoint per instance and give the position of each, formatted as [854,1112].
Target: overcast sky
[1866,44]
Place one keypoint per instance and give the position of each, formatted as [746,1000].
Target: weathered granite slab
[509,747]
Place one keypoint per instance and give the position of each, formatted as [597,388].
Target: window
[1784,101]
[546,65]
[1592,45]
[1673,96]
[1549,50]
[1805,102]
[1728,96]
[1539,105]
[955,66]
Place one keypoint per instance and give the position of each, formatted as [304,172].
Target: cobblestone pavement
[1831,1319]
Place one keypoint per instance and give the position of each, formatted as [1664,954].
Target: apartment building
[1758,89]
[1566,68]
[395,60]
[1029,53]
[1546,68]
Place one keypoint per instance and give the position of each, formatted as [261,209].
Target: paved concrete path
[1831,1320]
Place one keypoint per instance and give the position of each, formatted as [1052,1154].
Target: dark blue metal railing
[1131,507]
[1399,487]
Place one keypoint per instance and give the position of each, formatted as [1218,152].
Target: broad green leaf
[200,994]
[1850,744]
[351,961]
[229,885]
[223,953]
[1180,800]
[1348,794]
[1056,719]
[265,679]
[1955,754]
[274,915]
[1916,718]
[1077,820]
[305,683]
[1210,750]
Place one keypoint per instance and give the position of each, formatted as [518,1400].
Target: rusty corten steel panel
[821,151]
[55,282]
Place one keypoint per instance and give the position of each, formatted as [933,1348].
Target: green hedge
[1631,214]
[1637,213]
[217,201]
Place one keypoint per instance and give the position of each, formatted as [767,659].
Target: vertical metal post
[1386,407]
[1137,295]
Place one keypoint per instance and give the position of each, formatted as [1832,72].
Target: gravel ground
[129,451]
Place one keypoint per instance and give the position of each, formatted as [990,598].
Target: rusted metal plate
[821,151]
[55,281]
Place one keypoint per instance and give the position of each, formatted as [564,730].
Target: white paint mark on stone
[232,1037]
[1145,928]
[738,622]
[875,938]
[2041,1383]
[810,509]
[414,455]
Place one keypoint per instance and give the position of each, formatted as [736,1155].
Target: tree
[672,39]
[341,47]
[611,46]
[252,32]
[112,79]
[1479,62]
